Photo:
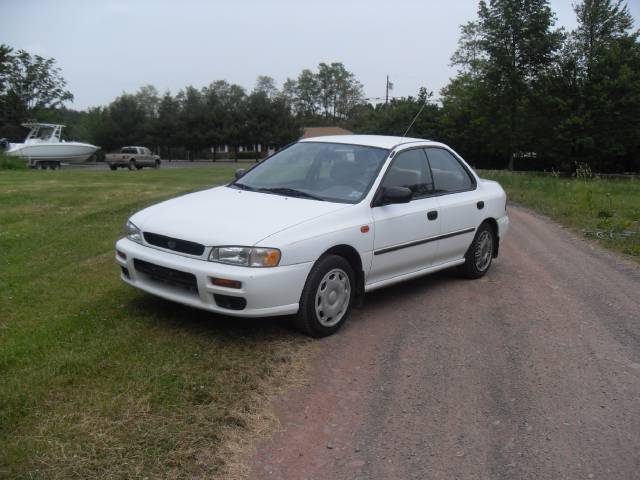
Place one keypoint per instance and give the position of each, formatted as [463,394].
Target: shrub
[9,162]
[247,155]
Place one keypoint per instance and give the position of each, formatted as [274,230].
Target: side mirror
[391,195]
[240,172]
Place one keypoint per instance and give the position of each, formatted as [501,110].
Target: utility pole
[386,97]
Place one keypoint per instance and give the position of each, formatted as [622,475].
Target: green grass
[99,380]
[605,210]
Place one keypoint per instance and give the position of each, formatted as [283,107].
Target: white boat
[43,147]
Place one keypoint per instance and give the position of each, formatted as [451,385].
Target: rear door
[148,156]
[141,157]
[403,232]
[458,201]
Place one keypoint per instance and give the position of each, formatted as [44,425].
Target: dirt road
[532,372]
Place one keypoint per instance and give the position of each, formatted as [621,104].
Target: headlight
[246,256]
[132,232]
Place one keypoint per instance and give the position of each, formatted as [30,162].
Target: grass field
[605,210]
[98,380]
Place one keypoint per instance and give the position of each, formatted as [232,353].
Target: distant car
[132,158]
[315,226]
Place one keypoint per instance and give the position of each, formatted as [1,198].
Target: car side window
[409,169]
[448,174]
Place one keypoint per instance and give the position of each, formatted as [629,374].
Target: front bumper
[267,291]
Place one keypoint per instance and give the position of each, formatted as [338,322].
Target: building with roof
[309,132]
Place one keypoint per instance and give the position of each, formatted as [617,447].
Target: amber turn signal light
[224,282]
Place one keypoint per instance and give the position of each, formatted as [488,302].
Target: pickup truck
[132,158]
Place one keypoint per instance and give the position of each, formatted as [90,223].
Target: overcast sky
[111,46]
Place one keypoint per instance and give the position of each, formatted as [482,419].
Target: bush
[247,155]
[9,162]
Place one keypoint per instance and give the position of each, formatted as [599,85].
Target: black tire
[157,164]
[480,254]
[113,167]
[132,164]
[138,167]
[307,320]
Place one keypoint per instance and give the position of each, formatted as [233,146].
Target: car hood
[227,216]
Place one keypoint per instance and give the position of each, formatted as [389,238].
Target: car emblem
[171,244]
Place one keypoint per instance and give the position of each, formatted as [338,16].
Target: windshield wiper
[242,186]
[290,192]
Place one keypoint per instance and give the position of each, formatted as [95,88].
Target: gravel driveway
[532,372]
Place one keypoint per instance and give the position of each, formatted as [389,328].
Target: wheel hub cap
[484,251]
[332,297]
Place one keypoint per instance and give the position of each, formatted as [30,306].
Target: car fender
[307,241]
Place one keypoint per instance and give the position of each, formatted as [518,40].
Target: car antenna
[414,119]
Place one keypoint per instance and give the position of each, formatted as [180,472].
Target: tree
[5,64]
[269,121]
[326,96]
[338,90]
[165,126]
[603,57]
[124,123]
[600,23]
[307,91]
[266,85]
[509,47]
[149,100]
[467,123]
[29,86]
[395,117]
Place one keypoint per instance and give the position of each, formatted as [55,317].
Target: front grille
[167,275]
[175,244]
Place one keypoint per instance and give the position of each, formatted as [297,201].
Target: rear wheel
[113,167]
[480,253]
[325,304]
[157,164]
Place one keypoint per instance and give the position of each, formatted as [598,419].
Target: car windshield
[331,172]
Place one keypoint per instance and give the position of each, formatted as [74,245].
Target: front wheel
[325,304]
[480,253]
[132,165]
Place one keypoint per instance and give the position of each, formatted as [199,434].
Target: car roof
[380,141]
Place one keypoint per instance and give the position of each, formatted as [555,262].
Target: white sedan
[311,229]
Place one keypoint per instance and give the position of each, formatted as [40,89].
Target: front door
[403,232]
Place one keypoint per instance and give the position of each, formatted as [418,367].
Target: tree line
[527,95]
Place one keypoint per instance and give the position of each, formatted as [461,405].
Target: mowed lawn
[607,211]
[98,380]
